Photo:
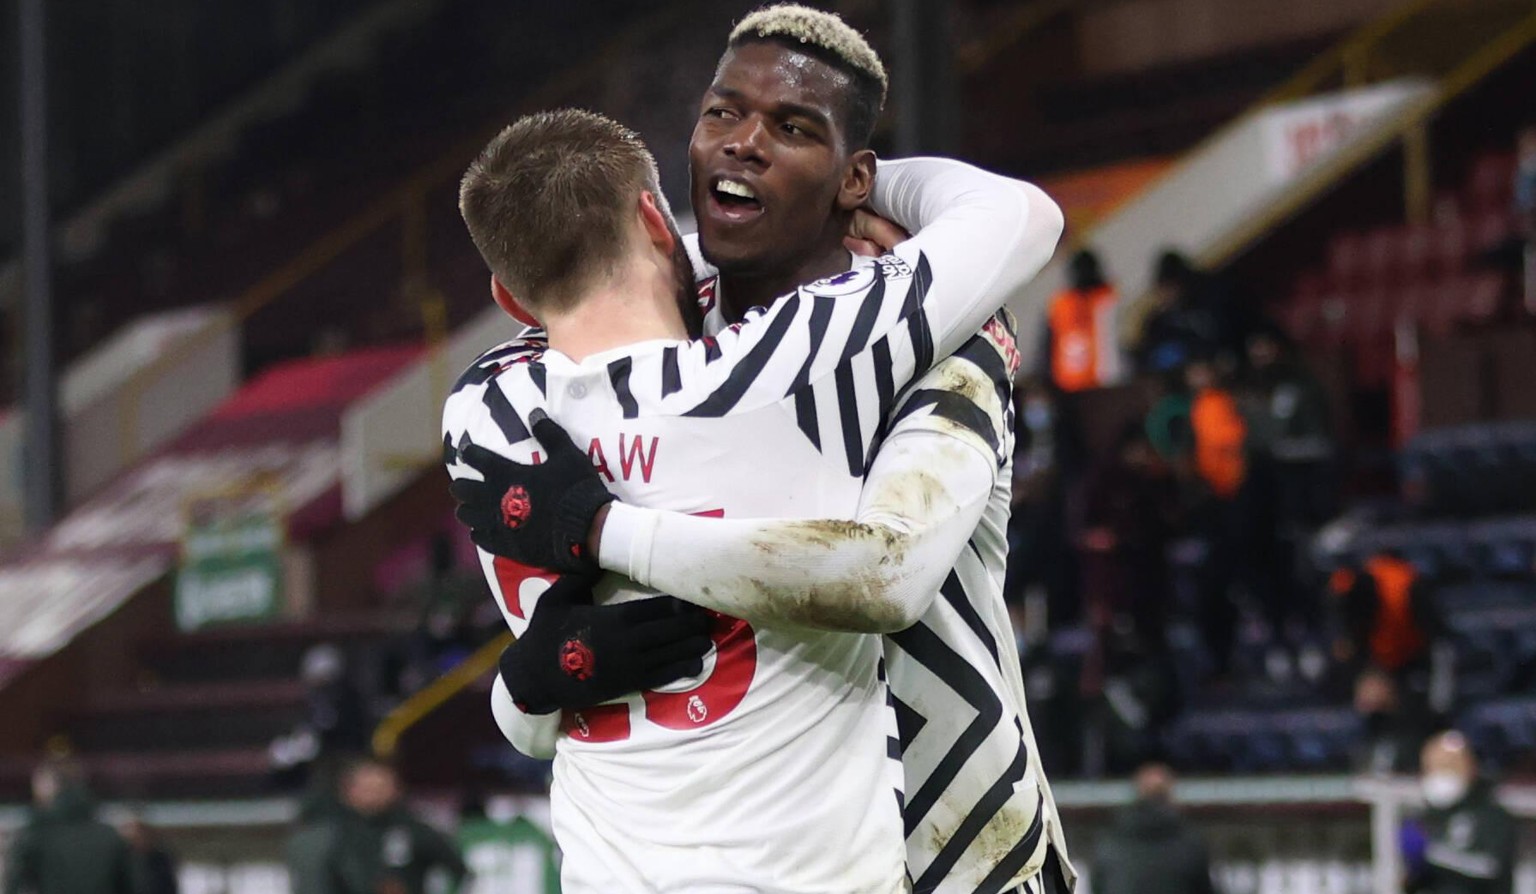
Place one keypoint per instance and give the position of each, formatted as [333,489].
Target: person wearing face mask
[1468,838]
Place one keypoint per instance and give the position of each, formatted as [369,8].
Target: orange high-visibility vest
[1395,639]
[1220,434]
[1083,350]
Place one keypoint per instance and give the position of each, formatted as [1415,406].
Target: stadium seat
[1346,259]
[1492,181]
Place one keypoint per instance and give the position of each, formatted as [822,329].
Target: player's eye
[719,112]
[794,130]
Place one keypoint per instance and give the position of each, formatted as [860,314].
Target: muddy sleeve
[876,572]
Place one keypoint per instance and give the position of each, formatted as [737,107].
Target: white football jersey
[774,770]
[978,810]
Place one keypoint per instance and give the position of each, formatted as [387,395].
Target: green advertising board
[513,857]
[231,569]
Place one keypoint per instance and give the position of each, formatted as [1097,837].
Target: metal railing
[386,738]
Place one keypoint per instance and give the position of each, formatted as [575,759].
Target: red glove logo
[576,660]
[515,507]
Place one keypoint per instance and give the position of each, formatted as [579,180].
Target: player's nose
[747,141]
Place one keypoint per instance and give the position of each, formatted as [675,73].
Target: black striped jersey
[764,774]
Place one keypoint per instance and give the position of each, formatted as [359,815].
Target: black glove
[575,654]
[537,515]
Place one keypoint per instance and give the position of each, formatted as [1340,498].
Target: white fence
[1280,835]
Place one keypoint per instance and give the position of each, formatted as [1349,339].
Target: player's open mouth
[733,200]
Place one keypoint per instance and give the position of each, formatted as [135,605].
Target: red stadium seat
[1482,294]
[1491,229]
[1415,301]
[1383,248]
[1491,182]
[1442,306]
[1449,245]
[1346,259]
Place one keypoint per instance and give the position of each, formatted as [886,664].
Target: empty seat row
[1447,550]
[1258,740]
[1473,470]
[1393,255]
[1495,647]
[1501,729]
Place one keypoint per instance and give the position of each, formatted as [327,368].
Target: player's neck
[637,305]
[741,292]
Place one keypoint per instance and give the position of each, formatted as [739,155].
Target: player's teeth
[732,188]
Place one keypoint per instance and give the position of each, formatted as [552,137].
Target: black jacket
[63,849]
[390,852]
[1151,848]
[1470,847]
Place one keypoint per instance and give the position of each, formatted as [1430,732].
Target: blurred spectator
[1082,348]
[1129,505]
[1525,210]
[1038,553]
[1290,452]
[1395,727]
[336,716]
[455,618]
[1182,322]
[379,846]
[308,849]
[1385,613]
[1219,469]
[1220,433]
[63,848]
[1151,847]
[1168,427]
[1292,427]
[1137,693]
[154,869]
[1465,842]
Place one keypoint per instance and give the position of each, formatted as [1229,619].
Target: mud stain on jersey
[1005,831]
[960,377]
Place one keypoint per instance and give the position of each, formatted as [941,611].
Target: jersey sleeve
[532,734]
[480,411]
[980,238]
[875,573]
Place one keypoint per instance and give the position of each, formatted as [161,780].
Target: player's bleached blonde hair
[827,37]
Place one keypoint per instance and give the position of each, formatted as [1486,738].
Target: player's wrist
[595,532]
[624,543]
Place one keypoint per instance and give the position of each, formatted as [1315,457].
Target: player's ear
[858,180]
[658,227]
[505,300]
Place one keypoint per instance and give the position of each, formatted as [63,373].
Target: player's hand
[537,515]
[575,654]
[871,235]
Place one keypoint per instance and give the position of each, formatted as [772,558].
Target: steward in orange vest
[1220,434]
[1081,343]
[1388,618]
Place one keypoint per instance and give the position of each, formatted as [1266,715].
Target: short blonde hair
[827,37]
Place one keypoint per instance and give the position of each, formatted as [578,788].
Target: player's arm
[983,237]
[980,239]
[924,496]
[877,572]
